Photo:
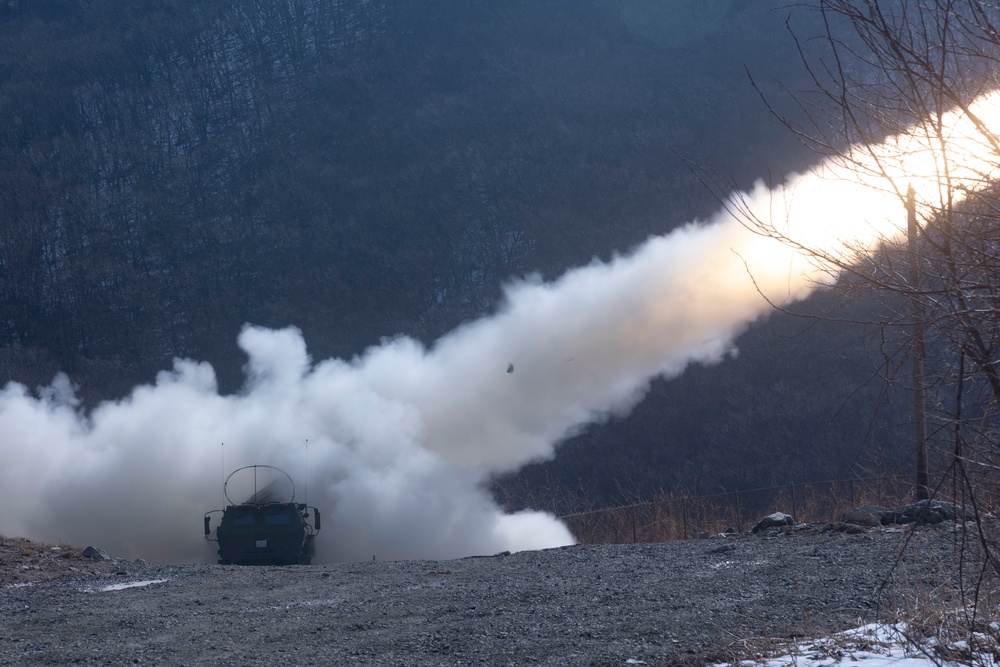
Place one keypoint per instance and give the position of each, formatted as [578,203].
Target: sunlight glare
[853,203]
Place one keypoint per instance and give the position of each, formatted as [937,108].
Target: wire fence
[686,517]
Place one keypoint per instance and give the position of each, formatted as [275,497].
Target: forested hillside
[174,169]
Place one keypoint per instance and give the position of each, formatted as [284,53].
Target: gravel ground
[685,602]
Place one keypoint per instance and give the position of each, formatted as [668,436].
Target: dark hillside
[802,401]
[172,170]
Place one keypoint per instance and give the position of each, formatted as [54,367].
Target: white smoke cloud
[396,445]
[401,439]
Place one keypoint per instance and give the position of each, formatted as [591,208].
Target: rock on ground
[25,561]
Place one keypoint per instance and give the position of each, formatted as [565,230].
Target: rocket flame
[402,438]
[855,202]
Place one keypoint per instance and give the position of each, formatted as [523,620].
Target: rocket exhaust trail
[402,439]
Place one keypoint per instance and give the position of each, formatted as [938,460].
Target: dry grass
[671,517]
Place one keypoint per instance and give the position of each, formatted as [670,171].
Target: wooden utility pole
[917,349]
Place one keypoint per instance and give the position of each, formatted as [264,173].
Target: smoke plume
[396,445]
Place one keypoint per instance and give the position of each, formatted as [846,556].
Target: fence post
[739,515]
[791,490]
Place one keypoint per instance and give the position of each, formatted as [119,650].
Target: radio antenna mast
[222,448]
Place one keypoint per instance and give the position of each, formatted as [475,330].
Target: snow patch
[125,585]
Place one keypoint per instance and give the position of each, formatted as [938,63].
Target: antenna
[222,447]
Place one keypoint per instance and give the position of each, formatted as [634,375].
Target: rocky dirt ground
[674,603]
[23,561]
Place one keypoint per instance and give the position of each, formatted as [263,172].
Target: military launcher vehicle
[263,530]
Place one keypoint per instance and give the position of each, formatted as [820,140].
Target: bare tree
[881,68]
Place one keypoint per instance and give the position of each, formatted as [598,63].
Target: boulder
[921,512]
[931,511]
[776,520]
[95,554]
[864,516]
